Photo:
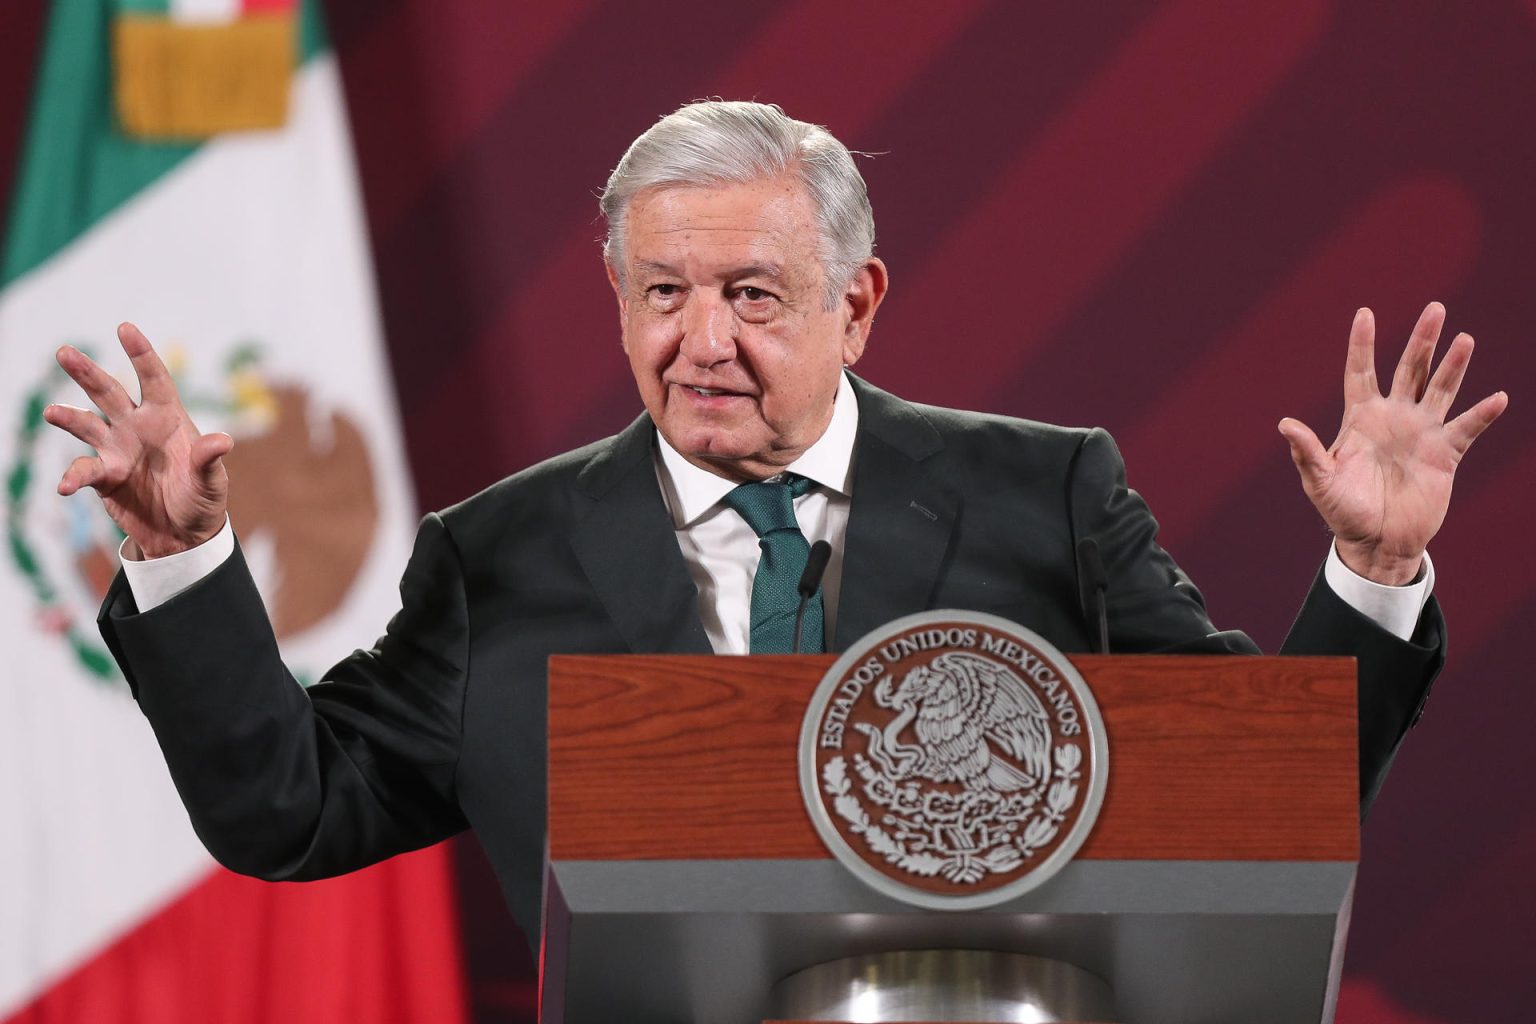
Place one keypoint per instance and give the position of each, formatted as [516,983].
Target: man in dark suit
[740,251]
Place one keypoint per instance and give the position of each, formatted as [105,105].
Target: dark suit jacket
[441,724]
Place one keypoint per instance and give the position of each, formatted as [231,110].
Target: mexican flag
[188,167]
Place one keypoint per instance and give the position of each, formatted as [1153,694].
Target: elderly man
[740,249]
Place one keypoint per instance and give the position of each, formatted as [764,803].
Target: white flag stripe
[205,10]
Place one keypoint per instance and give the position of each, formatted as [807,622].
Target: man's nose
[708,336]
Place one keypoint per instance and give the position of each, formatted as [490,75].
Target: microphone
[815,568]
[1093,584]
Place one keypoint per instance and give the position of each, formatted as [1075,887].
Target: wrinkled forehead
[770,220]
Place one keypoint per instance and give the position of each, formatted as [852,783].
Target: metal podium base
[944,984]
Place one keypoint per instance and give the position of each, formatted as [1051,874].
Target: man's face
[726,326]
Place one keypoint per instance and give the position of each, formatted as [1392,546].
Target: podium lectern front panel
[686,880]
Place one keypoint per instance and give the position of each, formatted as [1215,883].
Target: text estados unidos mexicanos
[1057,694]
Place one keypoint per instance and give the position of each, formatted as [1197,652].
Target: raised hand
[1384,485]
[161,480]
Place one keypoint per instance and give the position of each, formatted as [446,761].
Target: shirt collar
[690,492]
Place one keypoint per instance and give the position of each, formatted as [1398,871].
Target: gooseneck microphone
[1093,585]
[815,568]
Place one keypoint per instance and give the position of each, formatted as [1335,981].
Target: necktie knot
[769,505]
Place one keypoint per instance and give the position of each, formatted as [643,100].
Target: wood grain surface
[675,757]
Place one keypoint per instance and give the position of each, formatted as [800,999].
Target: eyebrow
[771,271]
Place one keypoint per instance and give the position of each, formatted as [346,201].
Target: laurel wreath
[18,481]
[960,866]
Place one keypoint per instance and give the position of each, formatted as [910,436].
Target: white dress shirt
[722,551]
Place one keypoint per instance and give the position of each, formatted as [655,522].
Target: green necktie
[769,509]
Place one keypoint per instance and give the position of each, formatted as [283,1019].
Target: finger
[1311,458]
[86,471]
[1440,393]
[1413,367]
[82,424]
[1467,427]
[1360,364]
[155,381]
[209,449]
[99,386]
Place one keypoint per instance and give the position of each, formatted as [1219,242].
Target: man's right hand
[162,481]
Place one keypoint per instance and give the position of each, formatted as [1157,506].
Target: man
[740,251]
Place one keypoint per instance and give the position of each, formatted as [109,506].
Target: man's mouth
[710,392]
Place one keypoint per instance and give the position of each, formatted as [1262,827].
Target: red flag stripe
[376,947]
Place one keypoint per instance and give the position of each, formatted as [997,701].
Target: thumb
[209,449]
[1307,451]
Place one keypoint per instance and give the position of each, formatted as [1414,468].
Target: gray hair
[718,142]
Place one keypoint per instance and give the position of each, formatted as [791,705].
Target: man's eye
[665,297]
[754,294]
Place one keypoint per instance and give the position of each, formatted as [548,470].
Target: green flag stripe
[75,166]
[144,6]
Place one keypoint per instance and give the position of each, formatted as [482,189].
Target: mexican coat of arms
[953,760]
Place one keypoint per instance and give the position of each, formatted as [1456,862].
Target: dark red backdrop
[1158,217]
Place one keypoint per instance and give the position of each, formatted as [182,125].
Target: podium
[686,882]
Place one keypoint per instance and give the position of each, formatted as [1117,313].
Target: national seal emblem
[953,760]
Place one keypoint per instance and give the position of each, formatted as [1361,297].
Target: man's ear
[618,293]
[865,292]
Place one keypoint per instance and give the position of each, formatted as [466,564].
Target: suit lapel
[901,520]
[899,529]
[626,546]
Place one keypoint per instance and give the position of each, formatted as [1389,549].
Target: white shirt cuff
[1394,609]
[155,581]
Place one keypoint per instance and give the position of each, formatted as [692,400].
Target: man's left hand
[1384,485]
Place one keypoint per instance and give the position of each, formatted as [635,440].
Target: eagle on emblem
[976,722]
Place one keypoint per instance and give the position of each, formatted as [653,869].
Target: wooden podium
[685,878]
